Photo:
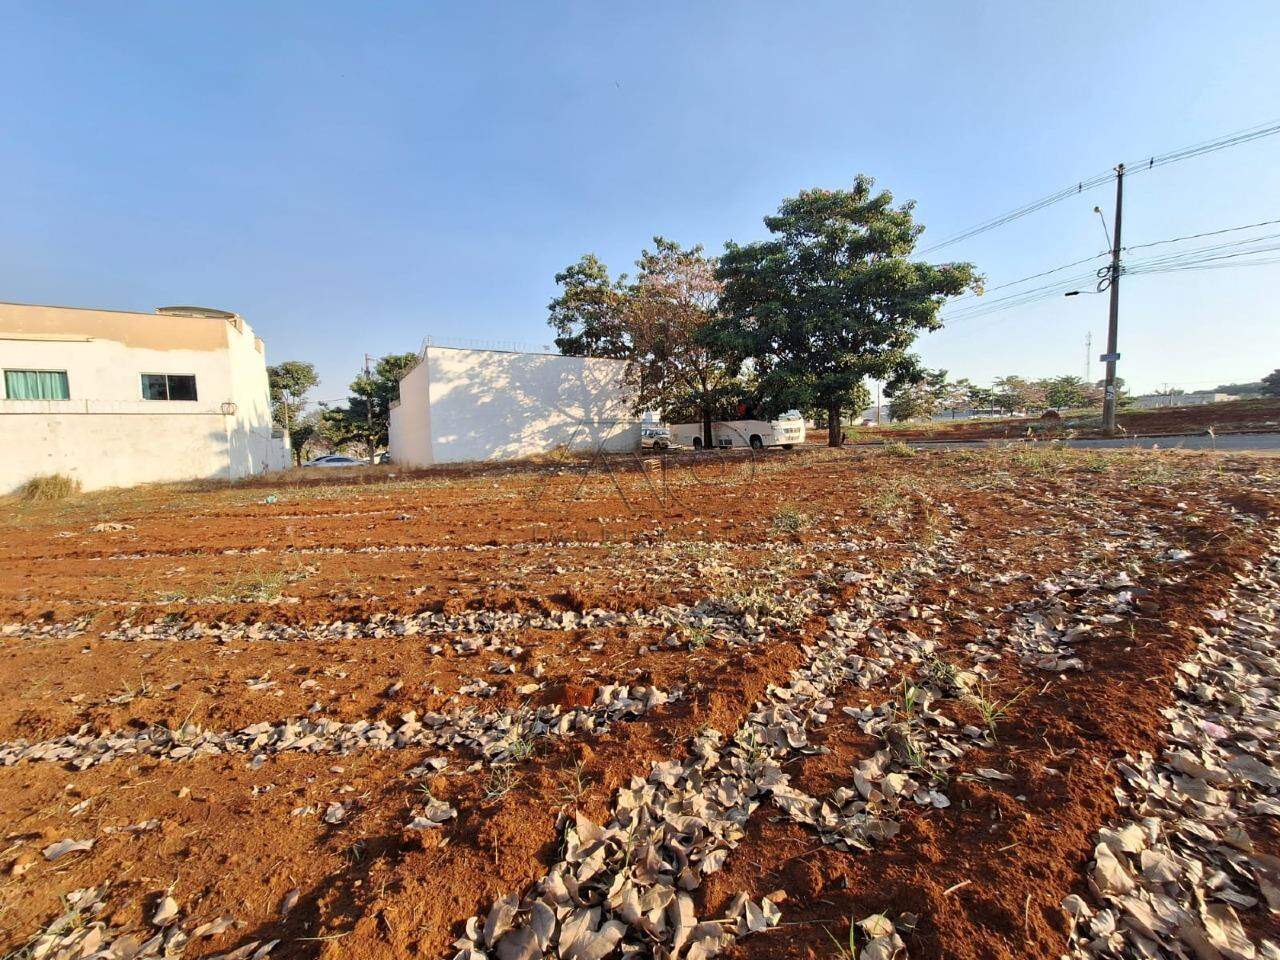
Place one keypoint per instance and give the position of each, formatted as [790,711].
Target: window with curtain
[36,385]
[168,386]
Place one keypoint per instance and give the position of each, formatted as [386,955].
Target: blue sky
[353,177]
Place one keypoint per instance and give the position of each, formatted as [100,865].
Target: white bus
[785,432]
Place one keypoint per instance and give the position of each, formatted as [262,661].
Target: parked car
[336,460]
[659,438]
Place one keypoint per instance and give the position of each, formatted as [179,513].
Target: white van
[785,432]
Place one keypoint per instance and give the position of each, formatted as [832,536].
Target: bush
[54,486]
[897,448]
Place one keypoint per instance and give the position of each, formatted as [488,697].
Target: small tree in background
[1271,384]
[366,418]
[923,398]
[831,299]
[289,383]
[1017,393]
[1069,392]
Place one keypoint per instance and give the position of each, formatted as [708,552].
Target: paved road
[1265,442]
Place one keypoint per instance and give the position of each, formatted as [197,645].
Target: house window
[36,385]
[168,386]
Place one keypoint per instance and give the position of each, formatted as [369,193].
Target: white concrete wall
[409,436]
[253,449]
[107,434]
[462,405]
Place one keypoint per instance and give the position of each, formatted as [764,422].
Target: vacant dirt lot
[974,705]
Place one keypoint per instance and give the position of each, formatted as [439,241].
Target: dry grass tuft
[54,486]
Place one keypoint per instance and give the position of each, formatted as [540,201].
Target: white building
[1154,401]
[459,405]
[113,398]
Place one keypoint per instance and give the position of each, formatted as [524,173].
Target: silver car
[336,460]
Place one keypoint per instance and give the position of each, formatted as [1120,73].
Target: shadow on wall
[492,406]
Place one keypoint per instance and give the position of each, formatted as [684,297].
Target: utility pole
[368,412]
[1088,358]
[1111,356]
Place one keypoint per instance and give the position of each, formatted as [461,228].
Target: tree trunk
[707,443]
[834,435]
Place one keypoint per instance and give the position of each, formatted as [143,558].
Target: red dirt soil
[228,841]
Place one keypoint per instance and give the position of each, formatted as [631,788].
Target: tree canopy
[656,321]
[366,417]
[832,298]
[289,383]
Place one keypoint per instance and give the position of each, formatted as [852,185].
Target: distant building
[1151,401]
[461,405]
[114,398]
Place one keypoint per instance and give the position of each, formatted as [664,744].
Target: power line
[1020,212]
[969,308]
[1185,153]
[1189,256]
[1022,298]
[1194,264]
[1222,266]
[1034,276]
[1197,236]
[1247,135]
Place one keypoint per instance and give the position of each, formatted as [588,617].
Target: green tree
[832,298]
[308,436]
[923,398]
[366,417]
[590,315]
[1069,392]
[289,383]
[980,398]
[1271,384]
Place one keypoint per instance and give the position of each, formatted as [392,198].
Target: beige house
[115,398]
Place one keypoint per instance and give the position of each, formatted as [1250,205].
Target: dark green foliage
[366,418]
[289,383]
[832,298]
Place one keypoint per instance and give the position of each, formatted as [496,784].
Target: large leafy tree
[672,303]
[366,417]
[289,383]
[657,322]
[1271,384]
[832,298]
